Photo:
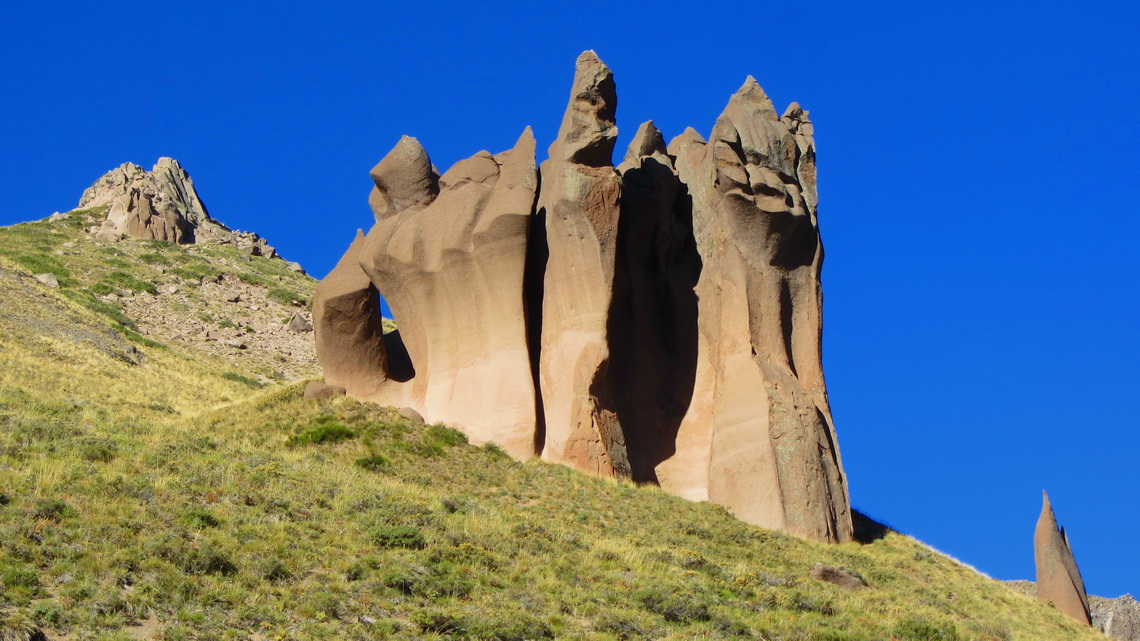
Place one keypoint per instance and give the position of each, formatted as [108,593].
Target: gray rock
[299,324]
[1118,618]
[48,279]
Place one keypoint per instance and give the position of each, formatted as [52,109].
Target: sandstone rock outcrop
[758,436]
[1058,579]
[449,253]
[580,203]
[658,321]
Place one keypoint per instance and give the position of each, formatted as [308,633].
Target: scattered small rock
[48,279]
[69,244]
[56,217]
[295,267]
[299,324]
[836,576]
[316,391]
[236,343]
[236,298]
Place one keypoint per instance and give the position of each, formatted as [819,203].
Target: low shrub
[374,463]
[326,430]
[399,536]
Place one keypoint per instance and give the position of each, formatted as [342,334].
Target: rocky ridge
[659,320]
[161,204]
[223,295]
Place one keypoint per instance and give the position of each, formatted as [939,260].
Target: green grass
[260,516]
[244,380]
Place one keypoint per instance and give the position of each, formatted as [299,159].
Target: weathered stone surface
[451,264]
[758,435]
[1119,618]
[659,321]
[405,180]
[652,322]
[348,329]
[1058,579]
[579,203]
[411,415]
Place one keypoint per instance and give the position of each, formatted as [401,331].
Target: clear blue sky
[978,167]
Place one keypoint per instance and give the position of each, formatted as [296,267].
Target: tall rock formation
[1058,579]
[448,253]
[580,200]
[658,321]
[759,418]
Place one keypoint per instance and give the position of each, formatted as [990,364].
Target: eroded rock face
[1058,579]
[348,328]
[758,435]
[448,253]
[658,321]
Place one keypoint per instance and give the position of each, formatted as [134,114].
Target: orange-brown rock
[758,436]
[448,255]
[658,321]
[1058,579]
[579,202]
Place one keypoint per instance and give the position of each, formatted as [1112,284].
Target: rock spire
[658,321]
[1058,579]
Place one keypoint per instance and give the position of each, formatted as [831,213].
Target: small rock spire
[1058,579]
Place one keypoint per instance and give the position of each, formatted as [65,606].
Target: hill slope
[151,488]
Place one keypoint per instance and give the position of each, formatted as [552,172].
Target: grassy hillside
[147,491]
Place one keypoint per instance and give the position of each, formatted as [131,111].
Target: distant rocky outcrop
[161,204]
[659,320]
[1058,579]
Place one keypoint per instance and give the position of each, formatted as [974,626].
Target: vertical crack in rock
[1058,578]
[660,320]
[652,329]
